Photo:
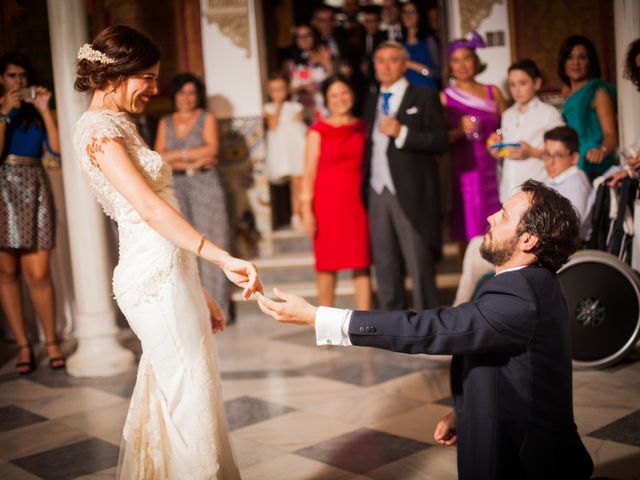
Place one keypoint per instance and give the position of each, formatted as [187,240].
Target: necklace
[181,125]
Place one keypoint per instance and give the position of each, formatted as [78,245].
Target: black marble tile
[12,417]
[82,458]
[364,372]
[624,430]
[446,401]
[245,411]
[362,450]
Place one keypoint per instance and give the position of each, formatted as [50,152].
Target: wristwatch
[5,118]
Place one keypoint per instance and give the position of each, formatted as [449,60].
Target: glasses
[546,156]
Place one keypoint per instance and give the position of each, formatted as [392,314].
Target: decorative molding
[473,12]
[232,17]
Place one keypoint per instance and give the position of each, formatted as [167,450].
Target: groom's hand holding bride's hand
[244,274]
[292,309]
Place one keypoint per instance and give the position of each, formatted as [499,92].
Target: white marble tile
[105,422]
[294,467]
[67,401]
[248,452]
[613,460]
[427,385]
[9,471]
[435,463]
[294,431]
[362,408]
[19,391]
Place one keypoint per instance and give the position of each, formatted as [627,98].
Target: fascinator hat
[476,41]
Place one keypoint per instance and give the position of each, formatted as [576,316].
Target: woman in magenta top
[473,112]
[333,213]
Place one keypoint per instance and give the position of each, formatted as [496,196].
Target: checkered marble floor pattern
[295,411]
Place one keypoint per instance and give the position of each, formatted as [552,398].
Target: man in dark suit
[511,374]
[372,37]
[406,131]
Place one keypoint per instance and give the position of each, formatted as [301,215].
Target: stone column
[234,68]
[627,29]
[98,354]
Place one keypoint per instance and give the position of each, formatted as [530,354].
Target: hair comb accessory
[87,52]
[476,41]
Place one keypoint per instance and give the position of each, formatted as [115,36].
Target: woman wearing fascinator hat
[473,112]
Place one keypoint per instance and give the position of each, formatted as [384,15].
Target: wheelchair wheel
[603,296]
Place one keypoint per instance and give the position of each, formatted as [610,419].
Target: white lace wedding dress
[175,427]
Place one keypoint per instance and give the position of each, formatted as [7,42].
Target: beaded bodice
[93,129]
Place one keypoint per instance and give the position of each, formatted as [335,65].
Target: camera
[28,93]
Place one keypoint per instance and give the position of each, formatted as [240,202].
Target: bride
[175,427]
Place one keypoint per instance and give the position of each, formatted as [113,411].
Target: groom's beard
[500,253]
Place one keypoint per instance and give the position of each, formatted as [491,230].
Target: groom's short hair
[553,219]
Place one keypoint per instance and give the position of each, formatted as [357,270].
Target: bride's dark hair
[131,50]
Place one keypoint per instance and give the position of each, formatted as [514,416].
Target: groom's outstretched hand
[292,309]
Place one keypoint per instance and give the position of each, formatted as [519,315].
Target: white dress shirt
[527,125]
[380,171]
[574,185]
[332,324]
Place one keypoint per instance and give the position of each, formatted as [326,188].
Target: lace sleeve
[99,134]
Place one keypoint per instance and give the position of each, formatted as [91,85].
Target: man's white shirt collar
[398,87]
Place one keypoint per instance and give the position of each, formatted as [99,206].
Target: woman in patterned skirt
[188,141]
[27,232]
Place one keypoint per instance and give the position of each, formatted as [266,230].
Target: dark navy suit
[511,374]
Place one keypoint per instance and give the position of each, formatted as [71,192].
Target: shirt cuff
[332,326]
[402,136]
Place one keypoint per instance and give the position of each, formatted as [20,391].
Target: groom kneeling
[511,376]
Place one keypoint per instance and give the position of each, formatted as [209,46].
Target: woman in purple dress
[473,112]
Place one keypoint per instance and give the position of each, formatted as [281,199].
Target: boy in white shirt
[560,159]
[523,125]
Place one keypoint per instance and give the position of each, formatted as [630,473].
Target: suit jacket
[511,374]
[414,168]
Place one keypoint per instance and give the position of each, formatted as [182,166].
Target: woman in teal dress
[590,105]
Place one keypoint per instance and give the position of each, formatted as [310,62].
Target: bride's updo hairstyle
[116,53]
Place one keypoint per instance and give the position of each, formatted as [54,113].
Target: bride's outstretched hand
[244,274]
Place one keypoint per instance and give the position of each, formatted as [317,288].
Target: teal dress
[579,114]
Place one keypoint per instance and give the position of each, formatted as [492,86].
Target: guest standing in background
[333,213]
[187,139]
[391,20]
[27,212]
[590,105]
[307,65]
[473,114]
[523,125]
[421,67]
[406,132]
[373,37]
[285,141]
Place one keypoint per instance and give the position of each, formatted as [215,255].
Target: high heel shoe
[24,368]
[56,363]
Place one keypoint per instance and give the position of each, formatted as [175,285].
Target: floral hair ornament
[476,41]
[87,52]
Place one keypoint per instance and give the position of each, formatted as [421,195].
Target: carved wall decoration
[232,17]
[472,12]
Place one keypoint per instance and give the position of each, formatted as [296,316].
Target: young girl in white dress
[175,427]
[286,133]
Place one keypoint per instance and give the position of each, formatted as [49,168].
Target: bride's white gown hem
[175,427]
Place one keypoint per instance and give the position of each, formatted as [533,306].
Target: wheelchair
[601,288]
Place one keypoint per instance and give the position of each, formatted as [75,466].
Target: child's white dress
[285,143]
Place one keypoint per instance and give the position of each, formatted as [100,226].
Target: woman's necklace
[182,125]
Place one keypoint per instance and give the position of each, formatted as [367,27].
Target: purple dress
[474,179]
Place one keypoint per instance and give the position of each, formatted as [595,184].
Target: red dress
[342,234]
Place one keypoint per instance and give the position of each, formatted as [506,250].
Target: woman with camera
[27,212]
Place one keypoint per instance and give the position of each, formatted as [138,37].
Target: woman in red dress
[333,213]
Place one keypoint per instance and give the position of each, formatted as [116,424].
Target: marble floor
[295,411]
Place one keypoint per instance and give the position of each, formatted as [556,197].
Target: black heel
[25,368]
[55,363]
